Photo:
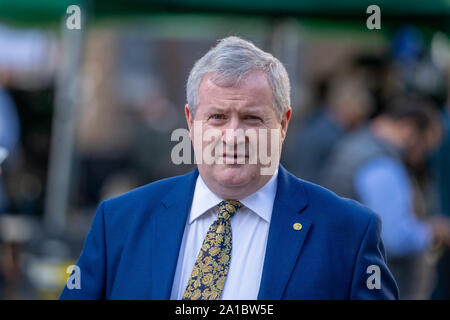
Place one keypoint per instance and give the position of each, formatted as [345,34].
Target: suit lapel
[168,228]
[284,242]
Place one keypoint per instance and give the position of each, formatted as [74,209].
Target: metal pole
[67,99]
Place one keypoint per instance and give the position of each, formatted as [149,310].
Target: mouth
[234,155]
[233,158]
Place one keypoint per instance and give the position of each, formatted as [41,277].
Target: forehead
[254,89]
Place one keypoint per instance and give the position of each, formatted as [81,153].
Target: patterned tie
[211,267]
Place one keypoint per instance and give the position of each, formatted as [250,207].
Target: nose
[233,133]
[233,123]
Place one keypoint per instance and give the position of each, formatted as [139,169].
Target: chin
[235,175]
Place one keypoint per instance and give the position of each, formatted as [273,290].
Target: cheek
[269,134]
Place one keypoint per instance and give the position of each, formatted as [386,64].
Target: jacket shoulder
[345,212]
[146,197]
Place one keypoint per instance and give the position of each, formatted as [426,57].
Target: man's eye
[217,116]
[250,117]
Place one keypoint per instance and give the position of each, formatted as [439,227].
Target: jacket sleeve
[91,264]
[371,276]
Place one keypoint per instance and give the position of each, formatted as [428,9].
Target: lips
[234,155]
[234,158]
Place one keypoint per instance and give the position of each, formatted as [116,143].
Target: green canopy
[44,11]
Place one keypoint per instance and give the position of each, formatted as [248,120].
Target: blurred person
[441,169]
[3,156]
[102,149]
[347,104]
[370,166]
[290,239]
[157,117]
[9,130]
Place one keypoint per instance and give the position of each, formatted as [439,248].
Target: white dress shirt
[250,228]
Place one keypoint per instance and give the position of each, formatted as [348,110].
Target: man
[229,230]
[441,170]
[370,166]
[9,133]
[347,105]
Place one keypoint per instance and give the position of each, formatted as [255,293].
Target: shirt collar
[260,202]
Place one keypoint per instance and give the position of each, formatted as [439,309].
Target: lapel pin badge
[297,226]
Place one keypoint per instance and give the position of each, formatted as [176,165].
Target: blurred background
[87,114]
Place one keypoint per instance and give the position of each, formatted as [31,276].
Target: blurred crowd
[374,128]
[379,133]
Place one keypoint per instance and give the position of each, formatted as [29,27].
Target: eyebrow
[251,109]
[214,109]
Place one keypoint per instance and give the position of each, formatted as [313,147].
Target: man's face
[247,106]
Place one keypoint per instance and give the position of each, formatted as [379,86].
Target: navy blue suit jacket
[132,248]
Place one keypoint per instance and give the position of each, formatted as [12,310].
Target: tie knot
[228,208]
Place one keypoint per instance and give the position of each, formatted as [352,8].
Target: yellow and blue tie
[211,267]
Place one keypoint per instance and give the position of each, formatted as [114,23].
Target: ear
[189,117]
[284,123]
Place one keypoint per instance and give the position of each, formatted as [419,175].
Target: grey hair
[230,61]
